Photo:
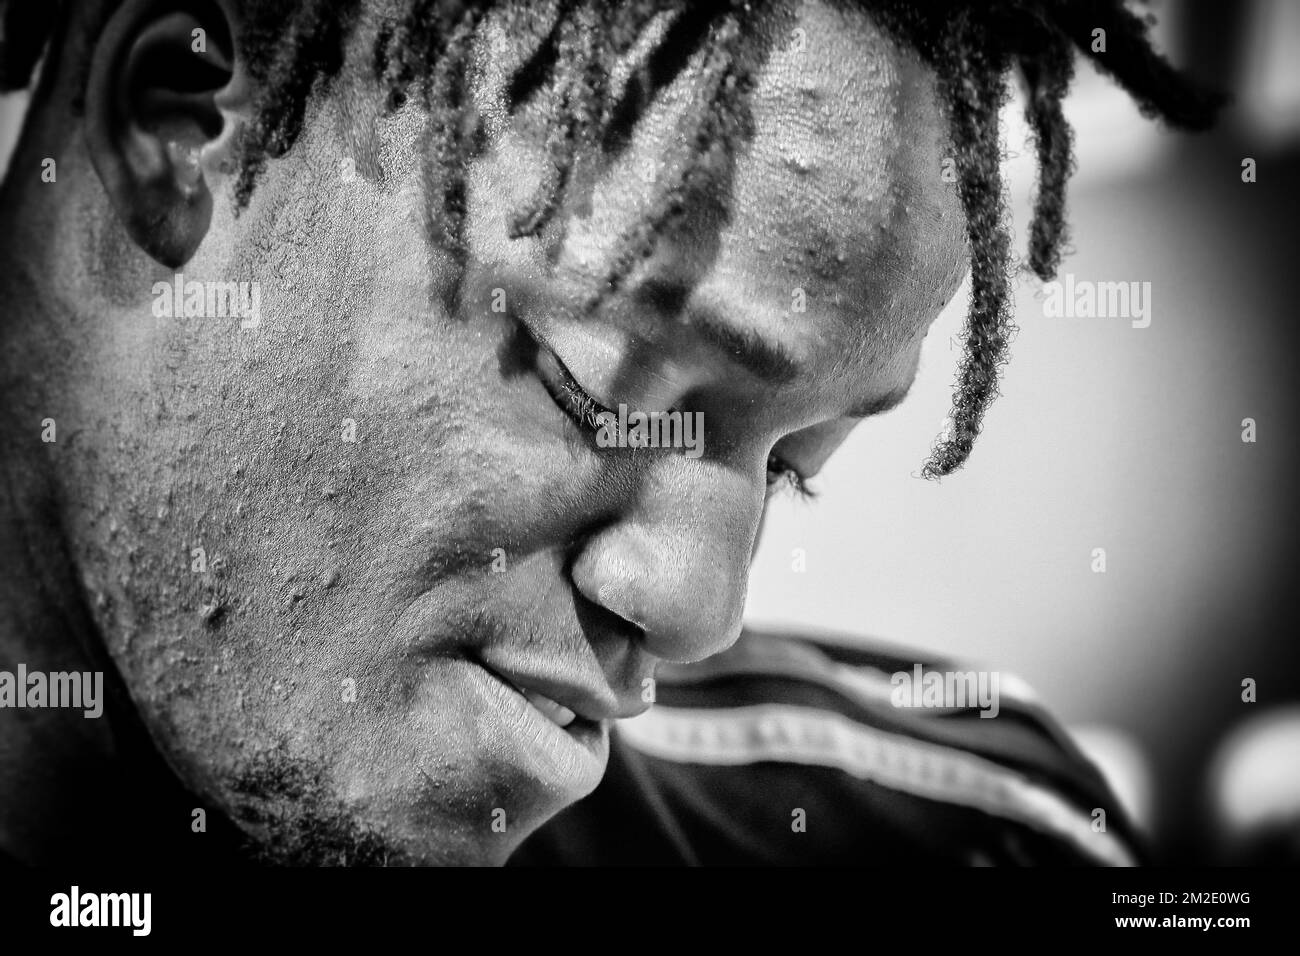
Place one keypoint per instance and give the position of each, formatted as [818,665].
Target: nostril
[597,618]
[616,599]
[610,589]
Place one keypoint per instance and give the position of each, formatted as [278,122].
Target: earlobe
[150,111]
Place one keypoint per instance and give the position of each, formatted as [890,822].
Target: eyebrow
[879,404]
[747,348]
[764,358]
[769,361]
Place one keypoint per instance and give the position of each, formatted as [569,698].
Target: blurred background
[1109,436]
[1127,439]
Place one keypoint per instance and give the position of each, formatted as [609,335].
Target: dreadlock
[972,48]
[716,119]
[972,45]
[315,35]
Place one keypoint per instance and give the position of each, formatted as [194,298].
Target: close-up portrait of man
[395,395]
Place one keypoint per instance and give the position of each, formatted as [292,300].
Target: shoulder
[793,749]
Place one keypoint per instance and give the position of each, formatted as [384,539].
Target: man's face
[398,517]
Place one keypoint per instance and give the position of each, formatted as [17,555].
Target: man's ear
[150,111]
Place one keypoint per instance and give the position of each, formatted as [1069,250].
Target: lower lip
[571,758]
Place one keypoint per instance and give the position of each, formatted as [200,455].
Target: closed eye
[584,411]
[572,398]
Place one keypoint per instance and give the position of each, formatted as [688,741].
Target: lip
[520,743]
[591,705]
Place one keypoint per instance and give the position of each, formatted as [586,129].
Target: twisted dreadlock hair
[569,47]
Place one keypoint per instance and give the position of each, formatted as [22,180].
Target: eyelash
[582,410]
[573,399]
[781,474]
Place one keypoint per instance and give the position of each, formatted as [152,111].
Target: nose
[676,562]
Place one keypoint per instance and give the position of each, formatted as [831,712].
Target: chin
[470,815]
[478,819]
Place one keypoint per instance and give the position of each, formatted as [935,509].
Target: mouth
[569,707]
[558,714]
[523,731]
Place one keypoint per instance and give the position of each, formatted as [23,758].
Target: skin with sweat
[354,590]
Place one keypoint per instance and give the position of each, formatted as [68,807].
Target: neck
[54,763]
[72,788]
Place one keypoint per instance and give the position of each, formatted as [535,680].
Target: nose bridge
[676,562]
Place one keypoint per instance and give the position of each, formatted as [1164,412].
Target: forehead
[835,206]
[842,185]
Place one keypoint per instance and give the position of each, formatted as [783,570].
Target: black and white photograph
[669,433]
